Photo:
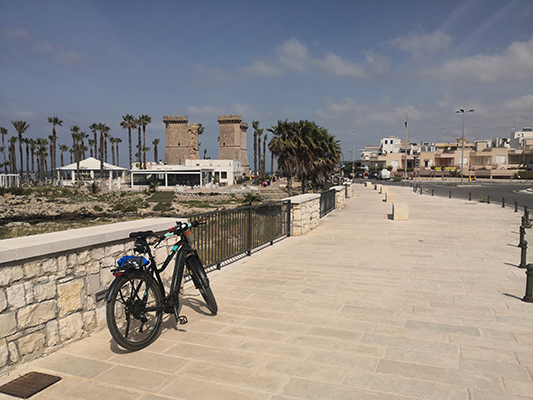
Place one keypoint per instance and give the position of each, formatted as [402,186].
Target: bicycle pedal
[183,320]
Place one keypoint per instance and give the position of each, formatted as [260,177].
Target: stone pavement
[363,307]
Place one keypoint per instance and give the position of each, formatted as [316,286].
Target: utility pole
[405,154]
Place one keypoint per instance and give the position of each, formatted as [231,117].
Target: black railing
[229,234]
[327,202]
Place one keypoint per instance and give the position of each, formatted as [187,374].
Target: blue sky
[354,68]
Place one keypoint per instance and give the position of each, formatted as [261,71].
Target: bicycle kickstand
[182,320]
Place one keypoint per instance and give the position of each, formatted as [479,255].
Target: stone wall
[340,196]
[49,300]
[305,213]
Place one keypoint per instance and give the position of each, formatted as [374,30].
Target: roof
[91,164]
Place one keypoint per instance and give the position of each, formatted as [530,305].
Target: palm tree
[129,124]
[76,147]
[144,120]
[155,143]
[138,125]
[91,146]
[112,141]
[33,147]
[94,128]
[12,154]
[283,146]
[255,125]
[83,148]
[54,121]
[21,127]
[42,147]
[264,153]
[104,134]
[4,131]
[117,142]
[27,143]
[63,148]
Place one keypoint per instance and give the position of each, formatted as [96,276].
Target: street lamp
[462,111]
[405,154]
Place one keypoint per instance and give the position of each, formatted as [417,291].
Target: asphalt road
[477,191]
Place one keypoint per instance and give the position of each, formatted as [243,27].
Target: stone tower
[182,140]
[177,145]
[232,140]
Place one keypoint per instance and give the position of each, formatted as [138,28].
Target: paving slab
[361,307]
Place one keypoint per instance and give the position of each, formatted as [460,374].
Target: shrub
[97,208]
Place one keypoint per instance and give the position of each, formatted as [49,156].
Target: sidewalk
[362,307]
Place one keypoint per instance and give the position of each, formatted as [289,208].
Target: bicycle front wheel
[131,318]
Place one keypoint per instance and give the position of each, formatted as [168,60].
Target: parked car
[373,175]
[384,174]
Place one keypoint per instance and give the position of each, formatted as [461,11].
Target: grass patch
[161,197]
[162,207]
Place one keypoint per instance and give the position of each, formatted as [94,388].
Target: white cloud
[522,104]
[293,55]
[204,111]
[366,114]
[514,64]
[428,43]
[261,68]
[55,53]
[337,66]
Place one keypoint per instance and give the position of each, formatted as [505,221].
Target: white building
[518,137]
[194,173]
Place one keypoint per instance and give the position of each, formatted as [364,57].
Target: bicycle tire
[130,324]
[201,282]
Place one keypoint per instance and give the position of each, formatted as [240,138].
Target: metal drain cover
[29,384]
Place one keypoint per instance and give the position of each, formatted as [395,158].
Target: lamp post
[462,111]
[353,152]
[405,154]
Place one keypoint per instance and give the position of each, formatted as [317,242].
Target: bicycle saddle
[142,234]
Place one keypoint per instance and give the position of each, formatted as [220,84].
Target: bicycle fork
[177,276]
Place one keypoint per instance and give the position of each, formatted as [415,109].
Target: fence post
[528,298]
[523,246]
[250,231]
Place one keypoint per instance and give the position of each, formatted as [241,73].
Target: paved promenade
[363,307]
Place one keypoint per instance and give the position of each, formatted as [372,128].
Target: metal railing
[230,234]
[327,202]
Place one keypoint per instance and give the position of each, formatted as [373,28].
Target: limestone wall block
[83,257]
[92,284]
[92,267]
[52,333]
[13,352]
[3,352]
[106,277]
[71,327]
[89,320]
[70,296]
[90,303]
[31,343]
[8,324]
[100,316]
[44,291]
[49,266]
[114,250]
[15,295]
[62,266]
[36,314]
[32,269]
[28,292]
[72,260]
[97,253]
[11,274]
[3,300]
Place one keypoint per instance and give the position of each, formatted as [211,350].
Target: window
[223,175]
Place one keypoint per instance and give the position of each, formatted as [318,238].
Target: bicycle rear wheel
[131,318]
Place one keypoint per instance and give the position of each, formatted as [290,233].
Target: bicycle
[136,299]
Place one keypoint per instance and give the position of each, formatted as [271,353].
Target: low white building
[518,137]
[89,169]
[195,173]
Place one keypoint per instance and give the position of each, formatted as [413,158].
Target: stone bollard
[528,298]
[523,246]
